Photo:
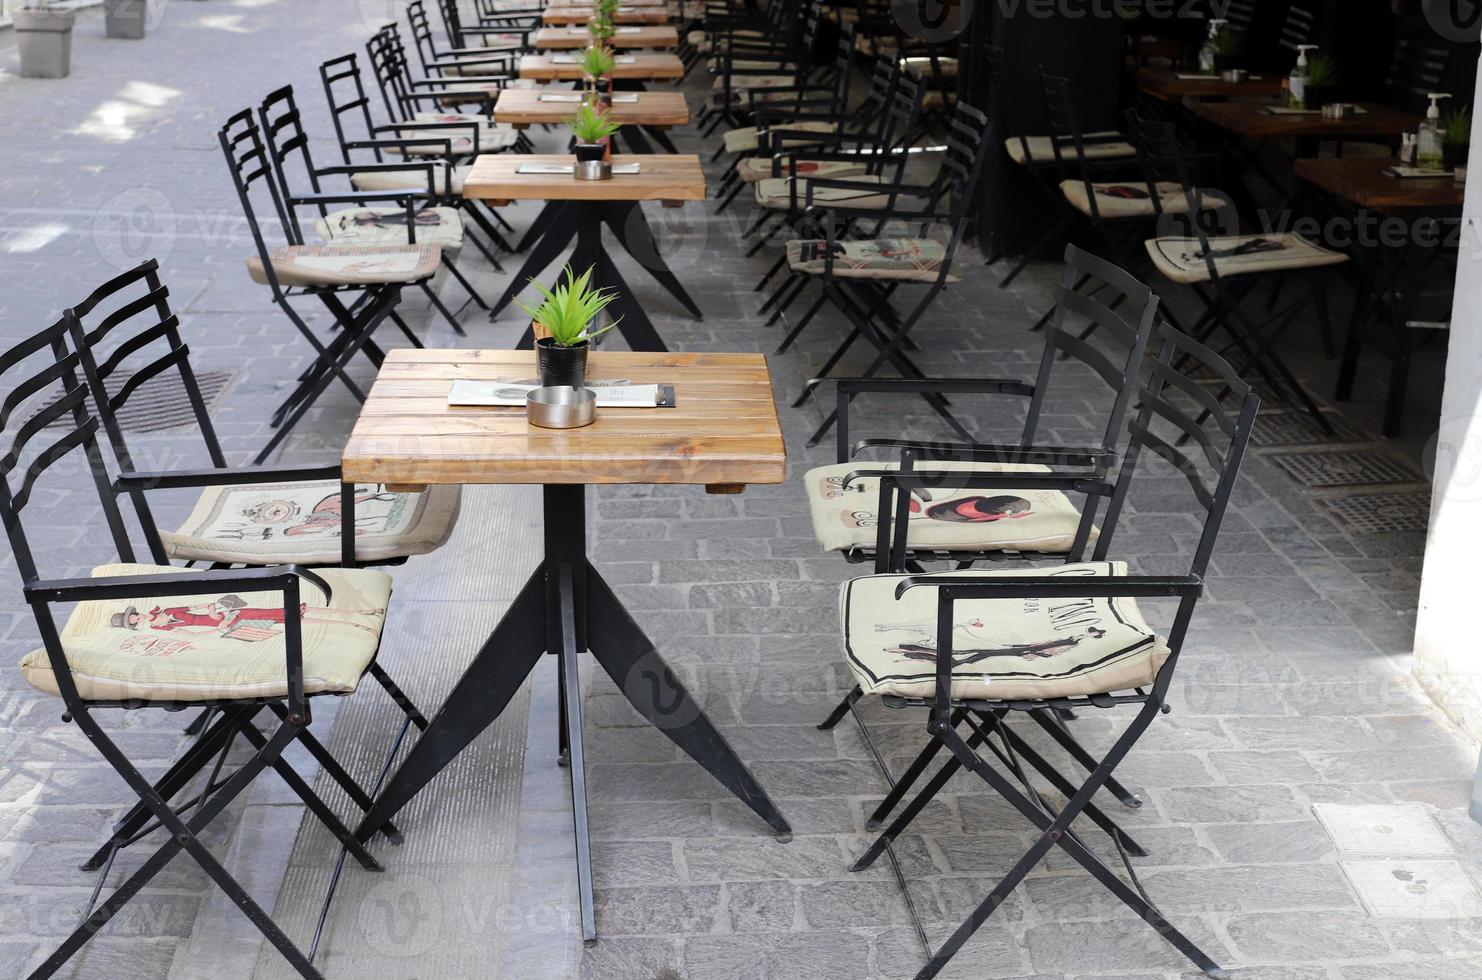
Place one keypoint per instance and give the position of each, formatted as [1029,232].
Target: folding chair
[360,285]
[1222,271]
[288,147]
[970,518]
[860,276]
[500,24]
[749,70]
[974,647]
[499,58]
[246,642]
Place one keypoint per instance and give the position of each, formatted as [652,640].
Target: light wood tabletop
[1363,181]
[1254,121]
[563,14]
[522,107]
[495,177]
[637,66]
[723,431]
[626,37]
[1165,83]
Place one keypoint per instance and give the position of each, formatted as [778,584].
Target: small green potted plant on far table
[43,36]
[597,63]
[1456,137]
[1323,77]
[568,314]
[1226,50]
[592,129]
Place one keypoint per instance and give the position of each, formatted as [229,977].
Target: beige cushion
[347,265]
[974,518]
[301,523]
[937,99]
[922,65]
[1002,648]
[773,193]
[493,136]
[745,140]
[897,259]
[217,645]
[1180,261]
[388,226]
[395,180]
[1128,198]
[753,169]
[742,84]
[1043,151]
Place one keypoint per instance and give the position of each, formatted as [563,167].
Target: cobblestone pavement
[1293,692]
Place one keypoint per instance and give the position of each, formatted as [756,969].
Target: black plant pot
[1317,96]
[560,365]
[590,152]
[1455,155]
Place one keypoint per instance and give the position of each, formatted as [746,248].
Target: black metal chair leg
[1076,751]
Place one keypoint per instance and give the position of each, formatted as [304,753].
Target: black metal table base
[566,608]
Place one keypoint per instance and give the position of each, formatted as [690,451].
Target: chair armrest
[404,197]
[928,479]
[954,587]
[194,582]
[223,476]
[976,452]
[445,145]
[848,388]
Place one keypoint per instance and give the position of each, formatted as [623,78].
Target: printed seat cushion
[744,139]
[388,226]
[1042,150]
[1130,199]
[897,259]
[347,265]
[217,646]
[774,193]
[395,180]
[753,169]
[302,523]
[1182,259]
[1001,648]
[493,137]
[974,518]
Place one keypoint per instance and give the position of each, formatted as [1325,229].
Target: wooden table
[1252,121]
[626,38]
[564,14]
[723,432]
[524,107]
[579,209]
[1167,84]
[1391,268]
[640,67]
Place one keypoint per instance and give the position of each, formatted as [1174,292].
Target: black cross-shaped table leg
[566,608]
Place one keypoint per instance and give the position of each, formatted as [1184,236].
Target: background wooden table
[642,66]
[661,177]
[522,107]
[626,38]
[723,431]
[1165,83]
[561,14]
[1253,122]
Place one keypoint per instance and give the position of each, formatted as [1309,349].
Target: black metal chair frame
[369,305]
[1223,450]
[185,820]
[504,62]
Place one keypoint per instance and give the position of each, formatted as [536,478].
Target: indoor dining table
[624,38]
[645,116]
[721,432]
[628,13]
[616,203]
[633,66]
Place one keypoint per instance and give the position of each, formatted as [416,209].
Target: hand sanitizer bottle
[1298,81]
[1429,154]
[1211,45]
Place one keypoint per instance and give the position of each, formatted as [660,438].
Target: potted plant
[597,64]
[1323,77]
[567,314]
[43,36]
[125,18]
[1226,50]
[592,129]
[1456,137]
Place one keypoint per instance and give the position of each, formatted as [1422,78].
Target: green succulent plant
[1227,41]
[590,125]
[568,311]
[1322,71]
[1456,126]
[597,63]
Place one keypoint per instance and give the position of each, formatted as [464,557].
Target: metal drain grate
[1379,513]
[1298,429]
[161,403]
[1344,469]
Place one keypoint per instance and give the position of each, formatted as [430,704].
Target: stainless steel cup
[592,170]
[563,407]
